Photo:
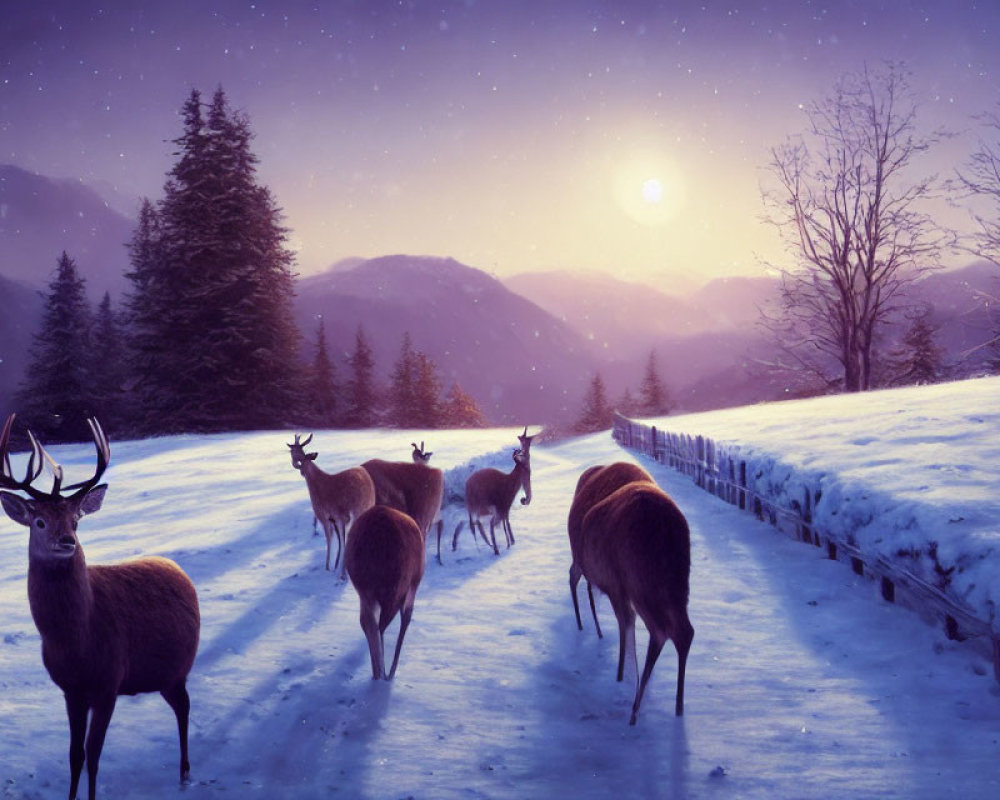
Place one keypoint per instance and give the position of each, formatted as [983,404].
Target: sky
[512,135]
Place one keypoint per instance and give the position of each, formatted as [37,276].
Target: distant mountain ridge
[41,217]
[515,359]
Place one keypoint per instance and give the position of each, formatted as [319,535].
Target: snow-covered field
[909,475]
[801,682]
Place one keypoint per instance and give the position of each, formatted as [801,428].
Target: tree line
[206,338]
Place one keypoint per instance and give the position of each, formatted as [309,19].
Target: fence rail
[718,470]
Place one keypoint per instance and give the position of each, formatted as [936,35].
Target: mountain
[20,311]
[40,217]
[520,363]
[626,318]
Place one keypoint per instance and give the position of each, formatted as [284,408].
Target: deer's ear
[16,508]
[93,500]
[312,456]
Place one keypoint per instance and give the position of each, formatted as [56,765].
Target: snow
[909,475]
[801,681]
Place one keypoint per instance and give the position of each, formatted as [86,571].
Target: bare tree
[847,204]
[980,181]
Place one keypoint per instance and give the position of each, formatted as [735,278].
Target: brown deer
[106,630]
[414,489]
[635,547]
[385,559]
[336,498]
[490,491]
[593,485]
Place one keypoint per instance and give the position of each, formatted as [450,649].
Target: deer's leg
[76,710]
[374,637]
[493,538]
[177,698]
[440,526]
[575,573]
[341,544]
[329,539]
[100,718]
[509,531]
[593,610]
[404,622]
[458,530]
[656,642]
[626,632]
[682,641]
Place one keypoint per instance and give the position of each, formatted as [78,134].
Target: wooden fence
[720,471]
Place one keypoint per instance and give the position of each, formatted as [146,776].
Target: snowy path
[801,683]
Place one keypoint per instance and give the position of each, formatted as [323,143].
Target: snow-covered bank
[909,475]
[800,682]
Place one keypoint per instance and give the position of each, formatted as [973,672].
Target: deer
[635,547]
[490,491]
[385,560]
[593,485]
[415,489]
[106,630]
[419,455]
[336,498]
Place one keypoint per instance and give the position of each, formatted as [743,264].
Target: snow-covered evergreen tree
[401,390]
[919,359]
[54,399]
[214,342]
[597,414]
[461,410]
[323,405]
[654,400]
[426,412]
[361,397]
[107,367]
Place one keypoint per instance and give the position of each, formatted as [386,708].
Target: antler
[39,455]
[7,479]
[103,457]
[297,443]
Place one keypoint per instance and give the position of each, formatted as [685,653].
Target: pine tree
[54,399]
[215,344]
[401,397]
[361,385]
[460,410]
[426,393]
[322,411]
[107,368]
[920,360]
[654,400]
[626,404]
[597,414]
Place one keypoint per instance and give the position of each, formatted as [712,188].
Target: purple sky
[512,135]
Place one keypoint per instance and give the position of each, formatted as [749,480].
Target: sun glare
[652,191]
[649,189]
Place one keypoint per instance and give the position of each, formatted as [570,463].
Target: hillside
[40,217]
[519,362]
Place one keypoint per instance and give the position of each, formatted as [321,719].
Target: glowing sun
[649,189]
[652,191]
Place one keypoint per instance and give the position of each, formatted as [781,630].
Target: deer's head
[299,454]
[523,463]
[52,516]
[419,455]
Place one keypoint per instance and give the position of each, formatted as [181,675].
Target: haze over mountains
[525,348]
